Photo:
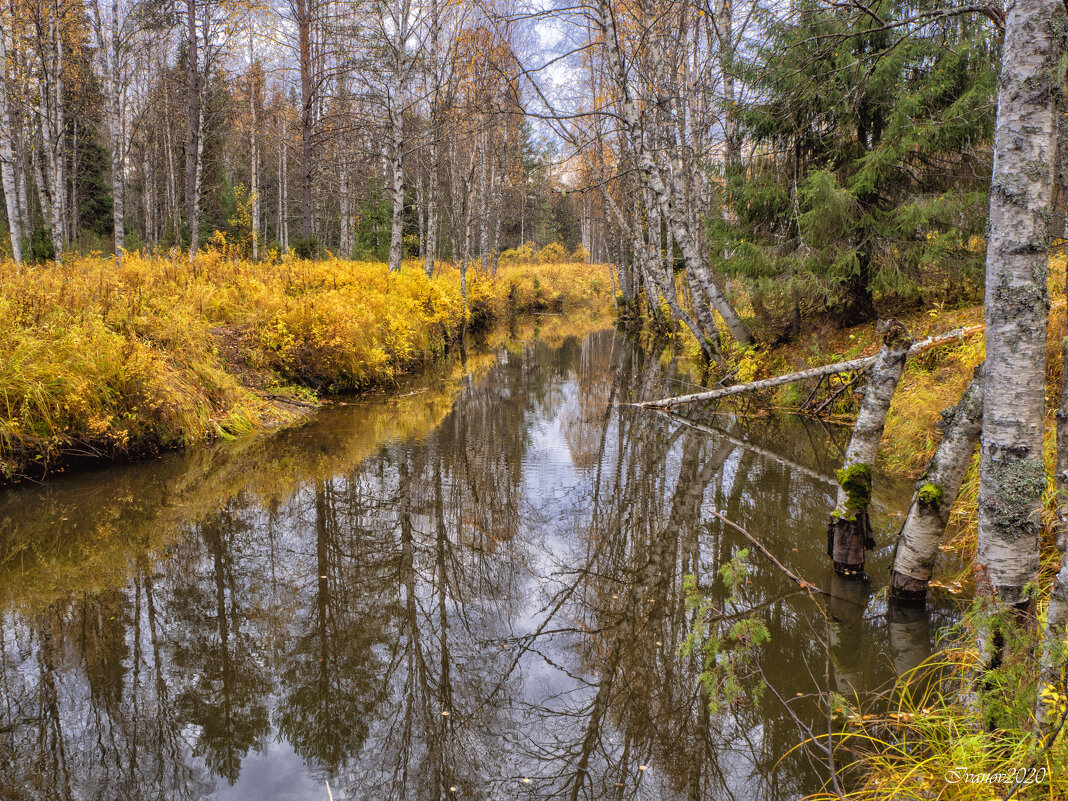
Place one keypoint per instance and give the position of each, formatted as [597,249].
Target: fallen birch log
[862,363]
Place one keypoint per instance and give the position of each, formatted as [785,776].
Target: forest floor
[99,361]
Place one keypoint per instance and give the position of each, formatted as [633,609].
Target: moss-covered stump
[849,530]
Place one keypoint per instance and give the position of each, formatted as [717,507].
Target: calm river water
[470,591]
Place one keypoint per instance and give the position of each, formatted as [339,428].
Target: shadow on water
[472,591]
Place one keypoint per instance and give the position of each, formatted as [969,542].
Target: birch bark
[7,159]
[193,125]
[1012,475]
[849,530]
[921,534]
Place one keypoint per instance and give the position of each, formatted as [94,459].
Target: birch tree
[1012,474]
[109,39]
[936,492]
[849,529]
[8,165]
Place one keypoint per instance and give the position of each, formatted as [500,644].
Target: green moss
[855,481]
[931,495]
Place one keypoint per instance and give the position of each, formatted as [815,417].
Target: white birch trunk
[848,530]
[53,126]
[396,162]
[1012,477]
[110,55]
[254,145]
[921,534]
[498,203]
[483,199]
[7,159]
[193,124]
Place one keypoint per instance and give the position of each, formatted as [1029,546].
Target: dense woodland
[822,156]
[368,130]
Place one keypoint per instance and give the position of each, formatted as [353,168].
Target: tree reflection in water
[488,609]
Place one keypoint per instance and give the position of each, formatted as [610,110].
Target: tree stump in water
[849,529]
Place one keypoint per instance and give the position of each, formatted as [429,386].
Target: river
[469,590]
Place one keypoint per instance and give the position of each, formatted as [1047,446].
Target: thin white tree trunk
[432,187]
[53,126]
[194,117]
[396,163]
[110,47]
[848,530]
[254,144]
[432,207]
[483,199]
[1012,475]
[283,185]
[921,534]
[198,171]
[498,202]
[172,170]
[7,159]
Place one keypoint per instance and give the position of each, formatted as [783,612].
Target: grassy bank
[52,542]
[942,735]
[104,361]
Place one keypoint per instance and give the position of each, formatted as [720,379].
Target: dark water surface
[472,591]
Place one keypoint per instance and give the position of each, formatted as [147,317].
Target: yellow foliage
[107,360]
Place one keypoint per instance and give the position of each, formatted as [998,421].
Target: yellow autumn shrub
[108,360]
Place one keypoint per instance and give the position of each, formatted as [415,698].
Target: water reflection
[483,604]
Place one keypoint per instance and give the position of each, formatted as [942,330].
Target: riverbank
[930,736]
[105,362]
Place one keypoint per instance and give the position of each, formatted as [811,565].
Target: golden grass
[926,744]
[100,360]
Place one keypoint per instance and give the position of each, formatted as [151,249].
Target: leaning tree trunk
[849,530]
[649,170]
[936,492]
[1012,474]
